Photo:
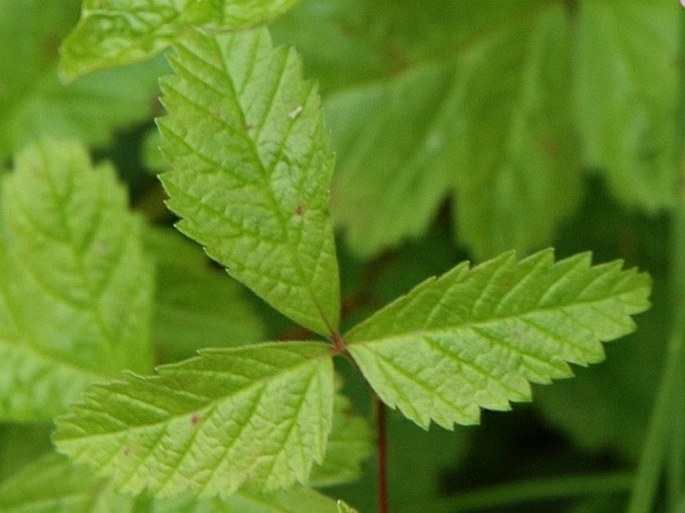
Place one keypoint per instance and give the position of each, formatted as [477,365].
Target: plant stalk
[382,441]
[664,425]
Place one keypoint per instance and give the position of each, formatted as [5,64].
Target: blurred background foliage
[462,128]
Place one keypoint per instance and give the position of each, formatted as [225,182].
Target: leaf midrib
[351,339]
[257,161]
[212,403]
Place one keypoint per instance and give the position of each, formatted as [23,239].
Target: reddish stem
[382,457]
[338,343]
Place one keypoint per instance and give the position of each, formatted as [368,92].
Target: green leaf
[115,32]
[476,338]
[33,103]
[617,418]
[296,500]
[252,169]
[520,170]
[372,41]
[349,444]
[260,413]
[491,119]
[53,485]
[395,141]
[75,285]
[234,14]
[344,508]
[196,305]
[628,90]
[20,444]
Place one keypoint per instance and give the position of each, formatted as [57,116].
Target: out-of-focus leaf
[492,119]
[415,452]
[346,42]
[196,304]
[75,284]
[344,508]
[54,485]
[627,96]
[115,32]
[394,144]
[33,103]
[349,444]
[609,406]
[520,172]
[20,444]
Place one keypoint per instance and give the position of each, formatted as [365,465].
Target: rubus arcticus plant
[137,377]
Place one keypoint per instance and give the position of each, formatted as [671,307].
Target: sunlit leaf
[252,169]
[261,413]
[476,338]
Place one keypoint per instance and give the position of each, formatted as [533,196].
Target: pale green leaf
[196,305]
[344,508]
[628,93]
[492,119]
[75,285]
[33,103]
[349,444]
[252,169]
[475,338]
[296,500]
[115,32]
[53,485]
[208,425]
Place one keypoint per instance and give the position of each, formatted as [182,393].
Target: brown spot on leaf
[299,210]
[195,419]
[127,452]
[50,46]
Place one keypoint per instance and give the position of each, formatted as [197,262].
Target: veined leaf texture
[252,169]
[476,338]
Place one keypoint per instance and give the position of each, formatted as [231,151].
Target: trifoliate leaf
[349,444]
[75,285]
[260,413]
[627,92]
[196,305]
[53,485]
[115,32]
[34,104]
[475,338]
[252,169]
